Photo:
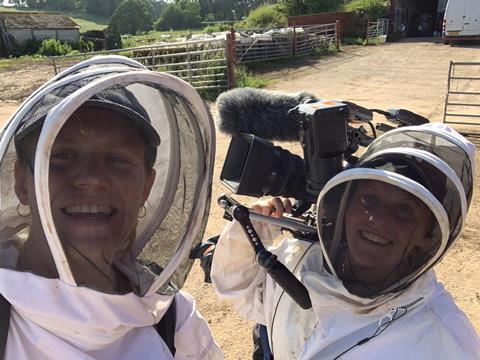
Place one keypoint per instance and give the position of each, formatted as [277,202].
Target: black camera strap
[4,324]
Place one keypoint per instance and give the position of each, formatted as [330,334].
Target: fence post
[152,54]
[189,65]
[338,30]
[294,41]
[368,31]
[54,65]
[230,52]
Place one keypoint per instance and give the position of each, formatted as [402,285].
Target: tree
[158,7]
[132,16]
[52,4]
[101,7]
[170,18]
[265,16]
[305,7]
[184,14]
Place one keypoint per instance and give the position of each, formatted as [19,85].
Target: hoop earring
[142,212]
[25,214]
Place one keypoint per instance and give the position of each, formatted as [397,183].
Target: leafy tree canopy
[132,16]
[305,7]
[181,15]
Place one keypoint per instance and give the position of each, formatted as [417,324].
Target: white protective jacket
[421,322]
[69,318]
[52,320]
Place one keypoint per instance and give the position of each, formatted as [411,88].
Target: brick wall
[352,24]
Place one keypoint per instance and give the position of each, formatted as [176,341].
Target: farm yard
[407,74]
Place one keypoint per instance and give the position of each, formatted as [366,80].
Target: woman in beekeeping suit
[382,226]
[105,186]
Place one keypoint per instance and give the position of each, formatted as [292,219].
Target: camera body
[256,167]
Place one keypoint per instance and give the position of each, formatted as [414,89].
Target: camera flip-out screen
[247,161]
[256,167]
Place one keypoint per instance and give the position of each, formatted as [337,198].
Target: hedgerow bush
[54,47]
[265,16]
[375,9]
[216,28]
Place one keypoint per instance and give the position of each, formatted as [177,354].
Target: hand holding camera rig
[330,133]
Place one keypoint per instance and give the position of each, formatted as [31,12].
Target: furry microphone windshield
[262,113]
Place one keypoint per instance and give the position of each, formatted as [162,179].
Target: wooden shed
[22,26]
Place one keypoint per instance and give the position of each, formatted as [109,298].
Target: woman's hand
[275,207]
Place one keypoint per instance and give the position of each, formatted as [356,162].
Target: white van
[461,21]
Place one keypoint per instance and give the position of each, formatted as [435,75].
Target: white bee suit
[407,314]
[58,315]
[295,333]
[55,321]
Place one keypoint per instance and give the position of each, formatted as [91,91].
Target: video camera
[330,132]
[256,167]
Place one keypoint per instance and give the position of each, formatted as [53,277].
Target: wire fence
[209,64]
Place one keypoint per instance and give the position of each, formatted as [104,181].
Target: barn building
[22,26]
[417,18]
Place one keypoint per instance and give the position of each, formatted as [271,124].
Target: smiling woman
[382,225]
[100,177]
[98,215]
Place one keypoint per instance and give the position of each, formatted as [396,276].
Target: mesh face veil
[390,219]
[105,179]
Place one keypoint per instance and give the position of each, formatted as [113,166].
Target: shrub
[54,47]
[86,45]
[265,16]
[217,28]
[375,9]
[245,78]
[305,7]
[128,42]
[353,41]
[29,47]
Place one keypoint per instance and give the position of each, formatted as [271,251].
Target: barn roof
[37,20]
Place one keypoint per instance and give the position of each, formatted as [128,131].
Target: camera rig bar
[289,223]
[279,273]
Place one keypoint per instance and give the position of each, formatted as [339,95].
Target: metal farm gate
[377,29]
[210,64]
[202,63]
[462,103]
[258,45]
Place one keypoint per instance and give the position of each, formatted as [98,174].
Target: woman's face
[98,182]
[383,224]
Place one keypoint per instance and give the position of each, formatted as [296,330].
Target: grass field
[85,21]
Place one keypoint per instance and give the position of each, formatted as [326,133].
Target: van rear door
[454,17]
[471,21]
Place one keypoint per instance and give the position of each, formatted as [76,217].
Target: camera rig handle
[226,202]
[279,272]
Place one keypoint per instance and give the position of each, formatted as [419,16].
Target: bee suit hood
[397,213]
[177,133]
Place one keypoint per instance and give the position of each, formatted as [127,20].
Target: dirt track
[412,75]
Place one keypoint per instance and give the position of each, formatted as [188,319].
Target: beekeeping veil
[177,131]
[395,215]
